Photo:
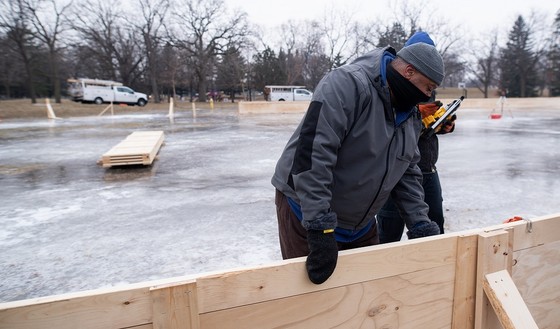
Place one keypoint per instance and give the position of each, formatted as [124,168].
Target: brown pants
[293,237]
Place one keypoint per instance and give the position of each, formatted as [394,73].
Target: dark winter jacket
[428,144]
[429,152]
[347,154]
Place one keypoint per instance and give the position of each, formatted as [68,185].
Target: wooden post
[507,301]
[171,107]
[108,107]
[50,112]
[493,255]
[193,110]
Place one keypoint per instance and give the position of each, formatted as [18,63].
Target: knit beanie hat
[426,59]
[420,36]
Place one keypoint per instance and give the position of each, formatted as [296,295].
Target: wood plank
[465,282]
[175,307]
[492,257]
[507,301]
[544,229]
[536,273]
[119,309]
[421,299]
[237,288]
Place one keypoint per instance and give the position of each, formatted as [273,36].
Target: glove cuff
[328,221]
[423,229]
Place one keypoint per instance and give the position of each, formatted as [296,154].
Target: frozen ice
[206,203]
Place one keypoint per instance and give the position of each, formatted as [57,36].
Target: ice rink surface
[206,204]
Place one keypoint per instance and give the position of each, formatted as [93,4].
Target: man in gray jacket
[356,144]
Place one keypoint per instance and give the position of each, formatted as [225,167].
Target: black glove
[423,229]
[323,254]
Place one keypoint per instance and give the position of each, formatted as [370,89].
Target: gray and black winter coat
[348,155]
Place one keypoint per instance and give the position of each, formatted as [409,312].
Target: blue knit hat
[420,36]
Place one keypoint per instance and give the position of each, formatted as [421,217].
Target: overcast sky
[475,15]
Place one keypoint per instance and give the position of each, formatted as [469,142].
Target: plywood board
[421,299]
[138,148]
[423,283]
[120,309]
[245,287]
[536,273]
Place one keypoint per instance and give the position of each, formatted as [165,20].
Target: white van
[104,91]
[287,93]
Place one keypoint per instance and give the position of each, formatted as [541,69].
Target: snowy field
[206,204]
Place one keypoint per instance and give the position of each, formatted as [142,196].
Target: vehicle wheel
[281,100]
[98,101]
[141,102]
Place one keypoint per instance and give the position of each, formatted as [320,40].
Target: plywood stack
[138,148]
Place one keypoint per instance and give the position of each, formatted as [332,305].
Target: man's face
[419,80]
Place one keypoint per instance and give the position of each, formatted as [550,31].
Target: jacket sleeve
[323,130]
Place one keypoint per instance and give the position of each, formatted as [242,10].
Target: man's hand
[423,229]
[323,254]
[427,109]
[449,125]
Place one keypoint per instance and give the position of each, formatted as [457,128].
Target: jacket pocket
[407,144]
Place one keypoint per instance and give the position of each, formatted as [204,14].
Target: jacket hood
[374,61]
[374,64]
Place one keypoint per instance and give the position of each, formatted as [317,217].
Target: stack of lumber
[138,148]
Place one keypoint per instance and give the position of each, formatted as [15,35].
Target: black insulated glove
[423,229]
[323,254]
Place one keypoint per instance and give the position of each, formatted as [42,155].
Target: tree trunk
[55,80]
[30,83]
[202,86]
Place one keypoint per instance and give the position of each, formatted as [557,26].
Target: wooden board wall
[426,283]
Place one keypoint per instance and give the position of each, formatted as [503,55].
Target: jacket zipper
[380,185]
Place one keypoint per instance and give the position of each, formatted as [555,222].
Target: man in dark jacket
[356,144]
[390,223]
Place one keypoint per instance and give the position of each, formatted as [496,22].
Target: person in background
[390,222]
[356,145]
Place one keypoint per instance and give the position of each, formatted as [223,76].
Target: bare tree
[338,31]
[11,69]
[110,44]
[15,21]
[422,16]
[485,55]
[154,13]
[553,56]
[48,22]
[205,31]
[366,37]
[170,68]
[292,57]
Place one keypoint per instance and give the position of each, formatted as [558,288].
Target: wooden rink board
[138,148]
[429,283]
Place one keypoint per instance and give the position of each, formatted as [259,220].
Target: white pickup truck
[104,91]
[287,93]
